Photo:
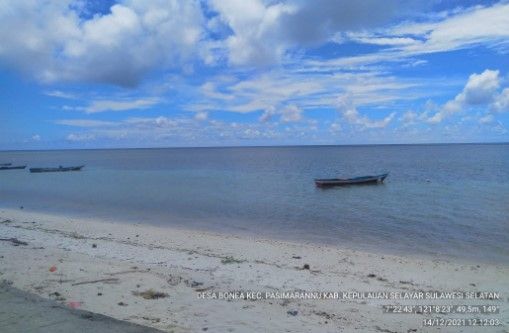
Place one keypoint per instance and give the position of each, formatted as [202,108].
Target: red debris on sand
[74,304]
[53,268]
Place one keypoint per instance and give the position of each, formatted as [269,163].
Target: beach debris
[407,282]
[150,294]
[53,268]
[205,329]
[306,266]
[75,235]
[121,304]
[324,314]
[378,328]
[87,315]
[107,280]
[292,312]
[21,207]
[195,284]
[129,271]
[174,280]
[74,304]
[231,260]
[94,245]
[14,241]
[371,275]
[99,294]
[296,257]
[152,319]
[58,296]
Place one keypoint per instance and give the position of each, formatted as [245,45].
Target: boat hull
[351,181]
[60,169]
[17,167]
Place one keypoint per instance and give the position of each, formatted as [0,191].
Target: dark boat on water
[351,181]
[59,169]
[15,167]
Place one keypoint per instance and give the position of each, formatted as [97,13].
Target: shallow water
[445,200]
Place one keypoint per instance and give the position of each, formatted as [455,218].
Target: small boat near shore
[59,169]
[15,167]
[351,181]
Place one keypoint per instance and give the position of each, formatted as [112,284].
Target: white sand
[180,262]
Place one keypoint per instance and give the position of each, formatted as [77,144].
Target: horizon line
[267,146]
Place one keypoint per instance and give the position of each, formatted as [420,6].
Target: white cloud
[487,119]
[273,91]
[201,116]
[209,89]
[477,25]
[409,118]
[120,105]
[174,131]
[263,31]
[350,114]
[255,39]
[365,38]
[288,114]
[291,113]
[459,29]
[84,122]
[480,89]
[501,103]
[60,94]
[52,42]
[268,114]
[79,137]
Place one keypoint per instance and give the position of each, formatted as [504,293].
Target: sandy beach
[170,279]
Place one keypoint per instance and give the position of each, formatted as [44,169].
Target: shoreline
[122,261]
[250,235]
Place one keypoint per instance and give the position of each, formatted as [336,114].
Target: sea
[441,200]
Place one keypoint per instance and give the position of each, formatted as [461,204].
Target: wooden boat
[59,169]
[15,167]
[351,181]
[5,164]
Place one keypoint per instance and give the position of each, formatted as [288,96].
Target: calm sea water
[443,200]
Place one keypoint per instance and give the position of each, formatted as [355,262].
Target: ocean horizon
[440,200]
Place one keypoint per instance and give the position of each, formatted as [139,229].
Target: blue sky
[165,73]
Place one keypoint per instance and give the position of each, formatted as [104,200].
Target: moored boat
[59,169]
[351,181]
[15,167]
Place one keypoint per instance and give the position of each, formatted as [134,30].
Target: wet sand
[155,276]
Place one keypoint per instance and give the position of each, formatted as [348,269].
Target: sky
[181,73]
